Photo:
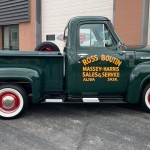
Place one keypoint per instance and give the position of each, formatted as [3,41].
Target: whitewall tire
[145,101]
[13,101]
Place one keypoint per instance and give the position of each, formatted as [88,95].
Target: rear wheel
[145,102]
[13,101]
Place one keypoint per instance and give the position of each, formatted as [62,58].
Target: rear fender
[23,74]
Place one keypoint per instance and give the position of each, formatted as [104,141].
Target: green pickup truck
[95,67]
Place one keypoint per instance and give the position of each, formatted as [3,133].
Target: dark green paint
[23,75]
[44,70]
[127,86]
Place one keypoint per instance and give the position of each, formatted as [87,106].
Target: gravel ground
[77,127]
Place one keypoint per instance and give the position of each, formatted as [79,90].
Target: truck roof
[82,18]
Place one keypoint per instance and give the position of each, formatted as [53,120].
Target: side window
[95,35]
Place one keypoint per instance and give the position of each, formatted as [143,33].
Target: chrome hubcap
[8,102]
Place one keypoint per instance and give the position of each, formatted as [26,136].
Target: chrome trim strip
[53,100]
[145,57]
[91,100]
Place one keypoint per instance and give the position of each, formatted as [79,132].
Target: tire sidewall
[145,103]
[20,92]
[50,44]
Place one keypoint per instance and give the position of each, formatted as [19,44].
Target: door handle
[82,55]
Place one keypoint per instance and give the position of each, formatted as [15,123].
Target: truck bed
[48,64]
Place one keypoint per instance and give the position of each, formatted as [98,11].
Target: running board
[53,101]
[98,100]
[86,100]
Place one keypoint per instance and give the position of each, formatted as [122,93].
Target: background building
[18,24]
[25,23]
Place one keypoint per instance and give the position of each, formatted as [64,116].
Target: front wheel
[145,101]
[13,101]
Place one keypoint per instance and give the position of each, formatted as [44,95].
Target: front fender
[24,74]
[139,75]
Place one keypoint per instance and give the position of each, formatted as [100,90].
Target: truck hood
[142,54]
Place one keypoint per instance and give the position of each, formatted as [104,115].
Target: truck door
[100,67]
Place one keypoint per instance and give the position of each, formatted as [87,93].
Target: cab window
[95,35]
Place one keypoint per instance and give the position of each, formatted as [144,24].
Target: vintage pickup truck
[95,67]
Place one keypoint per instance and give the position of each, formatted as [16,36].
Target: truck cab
[95,59]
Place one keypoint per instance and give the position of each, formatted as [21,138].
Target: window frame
[96,48]
[10,37]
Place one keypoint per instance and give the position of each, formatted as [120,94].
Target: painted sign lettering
[92,73]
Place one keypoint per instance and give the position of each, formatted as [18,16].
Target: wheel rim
[147,98]
[11,102]
[47,48]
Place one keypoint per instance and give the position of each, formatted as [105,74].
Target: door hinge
[131,60]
